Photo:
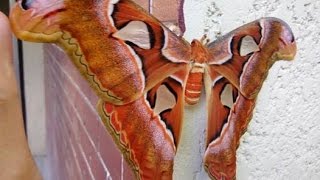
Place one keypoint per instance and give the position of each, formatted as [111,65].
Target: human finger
[8,87]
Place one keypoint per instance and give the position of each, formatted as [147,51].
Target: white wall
[283,138]
[34,94]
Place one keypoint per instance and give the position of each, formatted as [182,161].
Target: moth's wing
[142,137]
[162,52]
[245,55]
[117,46]
[229,112]
[167,101]
[233,79]
[148,130]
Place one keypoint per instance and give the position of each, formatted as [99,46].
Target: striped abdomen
[194,84]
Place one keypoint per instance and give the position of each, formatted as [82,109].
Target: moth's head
[287,44]
[199,52]
[37,20]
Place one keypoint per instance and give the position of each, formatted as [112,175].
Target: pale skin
[16,162]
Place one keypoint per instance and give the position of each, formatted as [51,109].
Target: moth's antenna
[204,40]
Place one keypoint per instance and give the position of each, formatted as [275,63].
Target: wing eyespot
[136,32]
[226,96]
[248,46]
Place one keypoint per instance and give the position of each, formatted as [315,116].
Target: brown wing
[117,46]
[167,100]
[142,138]
[229,113]
[148,130]
[165,52]
[247,70]
[233,80]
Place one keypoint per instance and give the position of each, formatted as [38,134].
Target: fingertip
[4,22]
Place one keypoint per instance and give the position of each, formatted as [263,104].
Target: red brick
[89,116]
[109,153]
[85,171]
[127,171]
[65,64]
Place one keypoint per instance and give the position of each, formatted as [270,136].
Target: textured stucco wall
[283,138]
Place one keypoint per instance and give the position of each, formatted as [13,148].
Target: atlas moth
[144,75]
